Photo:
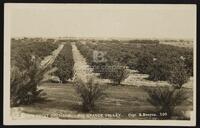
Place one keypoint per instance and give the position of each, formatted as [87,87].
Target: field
[134,79]
[146,56]
[179,43]
[121,99]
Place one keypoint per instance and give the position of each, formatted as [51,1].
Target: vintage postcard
[100,64]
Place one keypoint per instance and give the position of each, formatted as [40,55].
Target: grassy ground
[63,100]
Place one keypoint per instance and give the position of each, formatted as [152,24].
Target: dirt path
[141,80]
[82,69]
[51,58]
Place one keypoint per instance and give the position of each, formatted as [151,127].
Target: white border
[8,120]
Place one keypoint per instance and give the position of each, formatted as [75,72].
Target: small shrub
[64,71]
[90,92]
[189,62]
[166,99]
[64,62]
[178,75]
[117,74]
[144,62]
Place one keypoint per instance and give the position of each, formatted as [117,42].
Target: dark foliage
[146,56]
[26,75]
[37,47]
[64,62]
[160,61]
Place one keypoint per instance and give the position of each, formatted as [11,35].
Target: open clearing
[64,101]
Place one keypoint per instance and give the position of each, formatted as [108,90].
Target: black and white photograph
[100,64]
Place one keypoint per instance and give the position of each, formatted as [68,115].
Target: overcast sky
[133,21]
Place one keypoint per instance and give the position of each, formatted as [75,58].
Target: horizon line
[85,37]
